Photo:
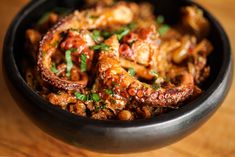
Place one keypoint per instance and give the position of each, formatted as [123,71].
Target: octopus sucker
[118,60]
[77,21]
[109,67]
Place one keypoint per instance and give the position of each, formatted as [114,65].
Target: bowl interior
[171,13]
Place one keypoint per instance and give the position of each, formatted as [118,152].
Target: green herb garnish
[69,62]
[73,49]
[95,35]
[160,19]
[154,73]
[103,106]
[108,91]
[122,33]
[53,68]
[125,30]
[106,34]
[80,96]
[114,83]
[93,17]
[132,42]
[132,25]
[102,47]
[95,97]
[113,101]
[97,108]
[163,29]
[83,65]
[59,93]
[131,71]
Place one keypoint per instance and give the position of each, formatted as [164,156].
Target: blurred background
[19,137]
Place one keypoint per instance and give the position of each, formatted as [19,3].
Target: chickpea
[61,99]
[146,112]
[80,109]
[33,36]
[125,115]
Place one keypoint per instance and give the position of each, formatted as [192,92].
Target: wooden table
[20,137]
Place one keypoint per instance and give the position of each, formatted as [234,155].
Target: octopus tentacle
[78,20]
[112,74]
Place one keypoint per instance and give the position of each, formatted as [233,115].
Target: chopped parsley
[114,83]
[106,34]
[93,17]
[96,35]
[73,49]
[160,19]
[59,93]
[83,97]
[53,68]
[95,97]
[132,25]
[69,62]
[80,96]
[125,30]
[122,32]
[102,47]
[83,65]
[103,106]
[108,91]
[154,73]
[131,71]
[113,101]
[163,29]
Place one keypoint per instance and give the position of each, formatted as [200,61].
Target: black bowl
[116,136]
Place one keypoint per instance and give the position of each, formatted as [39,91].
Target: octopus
[110,70]
[98,64]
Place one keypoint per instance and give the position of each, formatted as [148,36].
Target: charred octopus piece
[110,70]
[77,21]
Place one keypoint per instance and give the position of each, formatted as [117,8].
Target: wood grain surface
[21,138]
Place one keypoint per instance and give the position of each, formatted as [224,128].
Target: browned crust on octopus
[72,21]
[110,71]
[46,73]
[169,97]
